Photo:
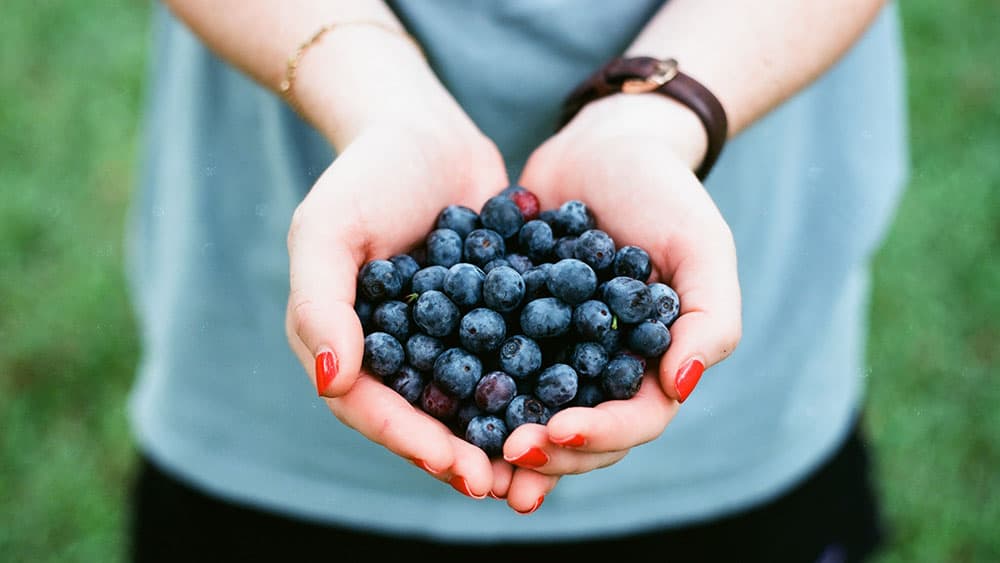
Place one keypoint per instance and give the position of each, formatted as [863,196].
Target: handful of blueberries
[507,315]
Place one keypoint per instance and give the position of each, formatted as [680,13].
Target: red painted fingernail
[538,503]
[423,465]
[326,371]
[572,441]
[459,484]
[687,377]
[532,458]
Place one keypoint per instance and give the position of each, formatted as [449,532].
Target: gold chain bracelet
[285,88]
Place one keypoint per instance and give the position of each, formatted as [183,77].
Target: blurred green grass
[72,88]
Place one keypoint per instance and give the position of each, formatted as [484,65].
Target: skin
[398,167]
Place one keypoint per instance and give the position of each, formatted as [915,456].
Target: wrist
[341,96]
[646,116]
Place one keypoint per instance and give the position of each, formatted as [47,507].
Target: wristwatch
[641,75]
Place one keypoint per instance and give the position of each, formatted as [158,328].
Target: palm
[641,195]
[380,198]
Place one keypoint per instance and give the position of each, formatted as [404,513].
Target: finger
[472,472]
[503,472]
[530,448]
[578,439]
[385,417]
[323,279]
[528,489]
[617,424]
[710,323]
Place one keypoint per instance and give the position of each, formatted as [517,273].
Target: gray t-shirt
[221,401]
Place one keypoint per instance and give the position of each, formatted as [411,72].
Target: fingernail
[326,371]
[423,465]
[459,484]
[572,441]
[538,503]
[532,458]
[687,377]
[494,495]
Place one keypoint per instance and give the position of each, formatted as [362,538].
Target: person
[288,143]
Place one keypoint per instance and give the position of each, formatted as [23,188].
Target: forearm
[754,55]
[353,76]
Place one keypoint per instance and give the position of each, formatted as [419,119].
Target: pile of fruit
[506,315]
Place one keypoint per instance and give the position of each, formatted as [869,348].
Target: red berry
[527,202]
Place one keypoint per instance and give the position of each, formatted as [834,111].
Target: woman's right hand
[381,197]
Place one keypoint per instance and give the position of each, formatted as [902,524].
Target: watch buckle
[666,70]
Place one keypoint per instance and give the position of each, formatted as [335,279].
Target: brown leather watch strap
[648,74]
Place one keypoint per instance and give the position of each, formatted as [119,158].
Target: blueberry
[513,189]
[622,376]
[467,410]
[596,248]
[666,303]
[494,391]
[457,371]
[590,394]
[650,338]
[482,330]
[458,218]
[379,280]
[632,262]
[557,385]
[436,314]
[392,316]
[591,319]
[464,285]
[565,247]
[482,246]
[503,289]
[364,309]
[437,403]
[502,215]
[495,263]
[409,382]
[383,354]
[406,266]
[488,432]
[428,278]
[546,317]
[536,280]
[613,341]
[549,216]
[422,350]
[536,240]
[588,359]
[572,280]
[444,248]
[574,217]
[629,299]
[419,253]
[519,262]
[526,409]
[520,356]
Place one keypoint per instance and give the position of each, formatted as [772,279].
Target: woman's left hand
[630,159]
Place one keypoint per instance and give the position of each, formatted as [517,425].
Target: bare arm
[355,75]
[752,55]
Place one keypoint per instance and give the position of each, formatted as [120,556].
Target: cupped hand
[380,197]
[630,159]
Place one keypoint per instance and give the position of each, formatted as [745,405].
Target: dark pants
[830,518]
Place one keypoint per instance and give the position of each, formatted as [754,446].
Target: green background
[71,88]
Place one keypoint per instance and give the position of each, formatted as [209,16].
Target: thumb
[709,326]
[322,326]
